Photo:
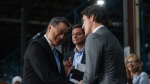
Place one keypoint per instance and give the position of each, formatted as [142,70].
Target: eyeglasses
[61,31]
[132,62]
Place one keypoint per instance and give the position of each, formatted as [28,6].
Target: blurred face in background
[17,82]
[132,64]
[78,36]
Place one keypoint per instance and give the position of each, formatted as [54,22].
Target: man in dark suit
[41,65]
[77,55]
[104,54]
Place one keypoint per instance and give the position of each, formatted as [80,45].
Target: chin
[59,43]
[86,35]
[75,43]
[55,44]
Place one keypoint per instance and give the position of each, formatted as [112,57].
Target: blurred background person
[77,55]
[17,80]
[134,70]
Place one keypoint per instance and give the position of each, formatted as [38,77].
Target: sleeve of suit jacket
[93,52]
[40,64]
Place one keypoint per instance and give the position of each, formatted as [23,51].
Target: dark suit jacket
[76,74]
[40,66]
[104,59]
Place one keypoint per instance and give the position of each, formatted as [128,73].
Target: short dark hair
[78,26]
[56,20]
[99,12]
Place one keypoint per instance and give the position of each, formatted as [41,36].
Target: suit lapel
[72,55]
[83,58]
[49,51]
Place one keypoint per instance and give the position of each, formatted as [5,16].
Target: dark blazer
[76,74]
[104,59]
[40,66]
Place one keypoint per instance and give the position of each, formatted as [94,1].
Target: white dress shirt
[97,28]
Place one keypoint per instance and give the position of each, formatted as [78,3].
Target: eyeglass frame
[132,62]
[61,31]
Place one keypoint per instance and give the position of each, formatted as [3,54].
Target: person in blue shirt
[76,56]
[135,75]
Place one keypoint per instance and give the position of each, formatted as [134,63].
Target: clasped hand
[68,66]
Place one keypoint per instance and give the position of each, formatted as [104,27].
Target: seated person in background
[17,80]
[134,71]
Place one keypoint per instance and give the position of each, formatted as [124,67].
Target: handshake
[77,72]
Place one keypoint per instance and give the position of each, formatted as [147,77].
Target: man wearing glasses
[43,64]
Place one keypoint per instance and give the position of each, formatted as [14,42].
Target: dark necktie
[57,59]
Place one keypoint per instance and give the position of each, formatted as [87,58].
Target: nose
[62,36]
[82,27]
[74,36]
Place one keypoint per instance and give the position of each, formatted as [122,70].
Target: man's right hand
[68,66]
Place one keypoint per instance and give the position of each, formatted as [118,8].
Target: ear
[92,18]
[49,27]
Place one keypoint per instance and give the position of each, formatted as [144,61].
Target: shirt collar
[97,28]
[81,51]
[136,74]
[52,47]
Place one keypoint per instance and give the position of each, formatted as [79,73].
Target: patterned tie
[57,59]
